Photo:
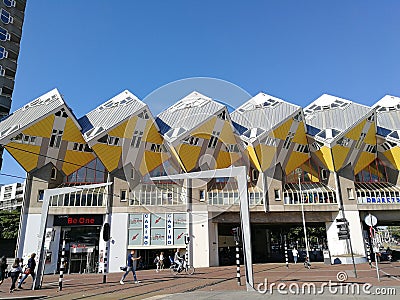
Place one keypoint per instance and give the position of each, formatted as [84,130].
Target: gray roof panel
[263,111]
[187,114]
[110,114]
[330,112]
[388,112]
[31,113]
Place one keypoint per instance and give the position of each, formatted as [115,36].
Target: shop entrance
[81,249]
[148,256]
[268,242]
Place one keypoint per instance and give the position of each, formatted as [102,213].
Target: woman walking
[14,274]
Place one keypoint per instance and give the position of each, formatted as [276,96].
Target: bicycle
[175,270]
[307,263]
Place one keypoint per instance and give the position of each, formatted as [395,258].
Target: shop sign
[170,229]
[146,229]
[78,220]
[136,220]
[386,200]
[157,229]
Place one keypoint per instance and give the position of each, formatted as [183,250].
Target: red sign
[80,221]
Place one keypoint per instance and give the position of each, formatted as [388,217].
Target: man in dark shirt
[31,266]
[131,267]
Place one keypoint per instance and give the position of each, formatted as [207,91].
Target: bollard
[286,254]
[237,263]
[62,264]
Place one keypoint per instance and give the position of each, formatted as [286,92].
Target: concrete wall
[341,247]
[200,239]
[119,241]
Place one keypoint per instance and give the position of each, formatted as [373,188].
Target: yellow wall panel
[324,154]
[282,131]
[370,138]
[75,160]
[227,136]
[339,155]
[176,155]
[151,161]
[223,160]
[72,133]
[253,157]
[151,134]
[296,159]
[119,131]
[354,133]
[205,130]
[130,127]
[43,128]
[189,155]
[109,155]
[26,155]
[393,155]
[365,159]
[266,155]
[300,136]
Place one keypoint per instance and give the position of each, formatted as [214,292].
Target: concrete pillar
[339,248]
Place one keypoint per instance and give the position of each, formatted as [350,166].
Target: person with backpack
[14,273]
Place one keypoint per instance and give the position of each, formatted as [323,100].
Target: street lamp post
[299,172]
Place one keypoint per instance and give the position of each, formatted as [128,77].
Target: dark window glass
[5,16]
[3,52]
[40,195]
[4,36]
[9,3]
[81,175]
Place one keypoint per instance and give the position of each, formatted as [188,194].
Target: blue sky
[295,50]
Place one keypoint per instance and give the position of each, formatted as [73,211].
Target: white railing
[163,194]
[90,198]
[232,198]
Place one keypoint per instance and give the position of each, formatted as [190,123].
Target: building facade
[11,21]
[11,196]
[334,159]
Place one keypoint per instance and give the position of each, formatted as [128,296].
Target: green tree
[395,231]
[9,224]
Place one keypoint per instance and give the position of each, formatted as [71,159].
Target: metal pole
[62,264]
[189,207]
[237,263]
[304,219]
[341,209]
[371,230]
[108,210]
[286,253]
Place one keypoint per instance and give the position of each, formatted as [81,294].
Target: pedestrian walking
[157,262]
[295,255]
[14,273]
[29,270]
[162,260]
[3,269]
[131,267]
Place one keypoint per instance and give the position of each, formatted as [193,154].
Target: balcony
[377,193]
[160,194]
[312,194]
[88,197]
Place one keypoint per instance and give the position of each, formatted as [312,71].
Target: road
[212,283]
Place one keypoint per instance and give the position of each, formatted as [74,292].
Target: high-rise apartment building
[11,21]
